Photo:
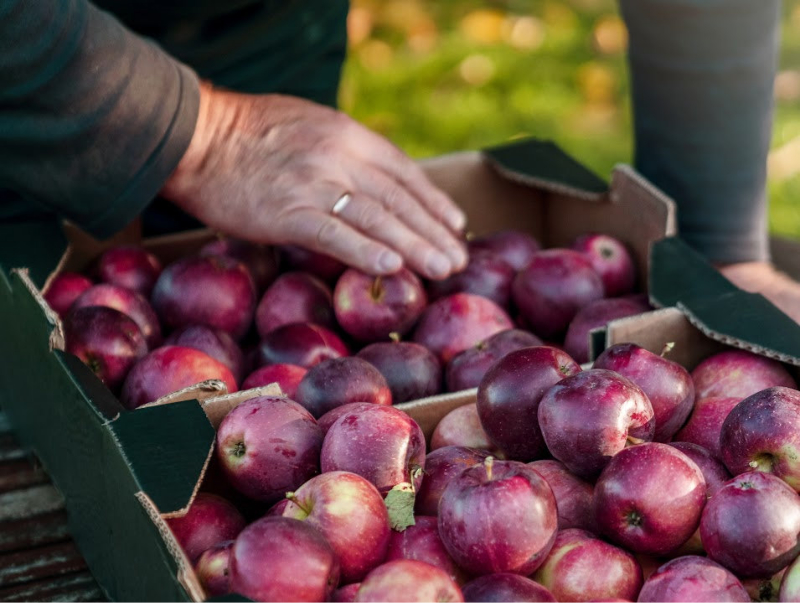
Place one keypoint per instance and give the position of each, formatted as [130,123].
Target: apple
[765,589]
[349,512]
[553,287]
[215,342]
[421,542]
[612,261]
[462,427]
[408,580]
[466,370]
[259,260]
[574,497]
[666,384]
[268,446]
[216,291]
[441,466]
[283,559]
[581,567]
[64,289]
[168,369]
[299,343]
[762,433]
[126,301]
[738,374]
[515,247]
[379,443]
[411,370]
[209,521]
[322,266]
[505,586]
[212,569]
[486,274]
[346,594]
[649,498]
[790,585]
[129,266]
[590,416]
[705,423]
[295,297]
[509,396]
[106,340]
[595,315]
[287,376]
[369,308]
[452,324]
[518,519]
[751,525]
[330,417]
[339,381]
[692,578]
[714,472]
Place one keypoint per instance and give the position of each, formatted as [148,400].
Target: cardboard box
[122,472]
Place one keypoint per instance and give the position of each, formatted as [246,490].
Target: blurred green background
[449,75]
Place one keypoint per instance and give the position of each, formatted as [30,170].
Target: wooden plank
[79,586]
[40,563]
[35,531]
[28,502]
[22,473]
[9,448]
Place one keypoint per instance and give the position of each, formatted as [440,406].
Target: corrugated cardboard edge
[209,388]
[56,341]
[427,412]
[624,175]
[216,408]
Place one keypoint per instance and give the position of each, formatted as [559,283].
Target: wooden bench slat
[39,563]
[32,532]
[79,586]
[17,474]
[28,502]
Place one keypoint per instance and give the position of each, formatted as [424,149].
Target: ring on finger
[341,204]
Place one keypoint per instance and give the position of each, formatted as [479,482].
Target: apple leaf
[400,505]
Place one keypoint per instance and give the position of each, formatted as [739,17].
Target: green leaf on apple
[400,505]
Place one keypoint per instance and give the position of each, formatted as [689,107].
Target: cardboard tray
[122,472]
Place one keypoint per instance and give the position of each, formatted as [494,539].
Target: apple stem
[394,336]
[489,463]
[377,288]
[668,347]
[469,235]
[293,497]
[635,441]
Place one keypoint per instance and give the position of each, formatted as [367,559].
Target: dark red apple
[212,568]
[129,266]
[690,579]
[259,259]
[554,286]
[268,446]
[128,302]
[667,384]
[349,512]
[595,315]
[738,374]
[790,585]
[612,261]
[287,376]
[209,521]
[714,472]
[705,423]
[766,589]
[518,519]
[295,297]
[168,369]
[339,381]
[462,427]
[215,290]
[441,466]
[330,417]
[574,497]
[421,542]
[369,308]
[649,498]
[509,396]
[751,525]
[317,264]
[346,594]
[283,559]
[411,370]
[106,340]
[216,343]
[505,587]
[302,344]
[64,289]
[513,246]
[590,416]
[486,274]
[466,370]
[408,580]
[455,323]
[581,567]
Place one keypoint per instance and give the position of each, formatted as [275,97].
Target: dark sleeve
[93,119]
[702,74]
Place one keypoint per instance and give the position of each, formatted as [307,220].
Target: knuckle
[369,217]
[327,233]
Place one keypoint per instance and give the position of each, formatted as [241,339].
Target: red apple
[287,376]
[581,567]
[268,446]
[590,416]
[283,559]
[452,324]
[705,423]
[216,291]
[751,525]
[371,307]
[330,417]
[513,246]
[411,370]
[259,259]
[212,569]
[738,374]
[216,343]
[339,381]
[168,369]
[349,512]
[462,427]
[714,472]
[209,521]
[126,301]
[64,289]
[690,578]
[509,396]
[441,466]
[320,265]
[466,370]
[505,587]
[302,344]
[486,274]
[421,542]
[554,286]
[667,384]
[106,340]
[765,589]
[649,498]
[129,266]
[574,497]
[790,585]
[295,297]
[346,594]
[408,580]
[595,315]
[518,520]
[612,261]
[379,443]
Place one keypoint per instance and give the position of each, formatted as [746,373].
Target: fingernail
[457,256]
[438,265]
[390,262]
[457,220]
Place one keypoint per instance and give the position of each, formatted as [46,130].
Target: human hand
[270,169]
[763,278]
